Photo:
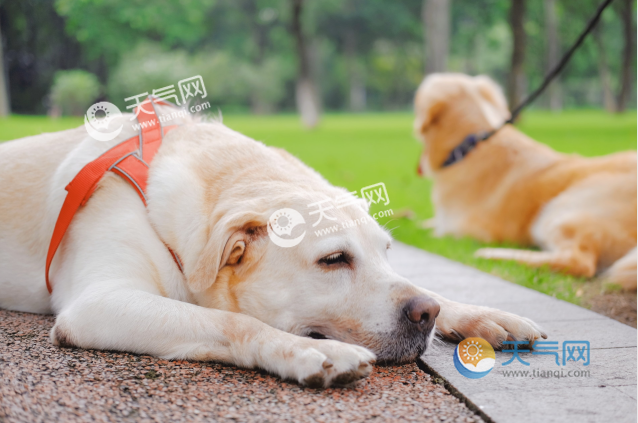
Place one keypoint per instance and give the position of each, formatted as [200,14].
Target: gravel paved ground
[41,383]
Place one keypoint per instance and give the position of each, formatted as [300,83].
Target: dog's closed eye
[334,259]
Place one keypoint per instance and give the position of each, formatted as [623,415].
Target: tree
[357,91]
[34,47]
[629,34]
[553,51]
[516,79]
[306,92]
[609,101]
[107,28]
[367,45]
[5,107]
[436,29]
[260,23]
[355,54]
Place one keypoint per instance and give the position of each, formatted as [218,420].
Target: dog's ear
[428,116]
[226,245]
[235,248]
[489,90]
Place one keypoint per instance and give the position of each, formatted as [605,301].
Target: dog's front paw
[324,363]
[493,325]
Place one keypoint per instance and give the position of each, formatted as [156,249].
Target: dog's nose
[422,310]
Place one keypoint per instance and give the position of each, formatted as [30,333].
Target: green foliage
[395,69]
[74,91]
[108,27]
[373,48]
[229,80]
[265,83]
[481,38]
[145,68]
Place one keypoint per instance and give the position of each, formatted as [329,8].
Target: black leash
[471,141]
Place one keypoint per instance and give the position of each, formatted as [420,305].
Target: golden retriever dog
[241,299]
[581,212]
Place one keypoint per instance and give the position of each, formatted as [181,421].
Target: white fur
[116,286]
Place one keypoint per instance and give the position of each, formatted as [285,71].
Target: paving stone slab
[594,405]
[609,394]
[548,310]
[601,333]
[603,370]
[629,390]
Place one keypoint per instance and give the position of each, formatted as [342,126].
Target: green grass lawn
[359,150]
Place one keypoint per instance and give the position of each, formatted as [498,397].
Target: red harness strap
[129,159]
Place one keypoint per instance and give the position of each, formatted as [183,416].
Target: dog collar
[467,145]
[129,159]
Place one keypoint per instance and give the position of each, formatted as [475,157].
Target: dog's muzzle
[413,331]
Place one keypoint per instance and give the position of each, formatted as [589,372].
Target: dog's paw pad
[347,378]
[61,338]
[316,381]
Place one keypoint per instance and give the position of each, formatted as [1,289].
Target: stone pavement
[609,394]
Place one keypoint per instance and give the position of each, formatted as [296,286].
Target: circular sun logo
[282,222]
[472,351]
[99,115]
[474,357]
[98,118]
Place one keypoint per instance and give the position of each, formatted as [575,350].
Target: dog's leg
[428,223]
[574,261]
[458,321]
[140,322]
[623,271]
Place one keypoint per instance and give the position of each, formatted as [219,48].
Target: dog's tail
[624,271]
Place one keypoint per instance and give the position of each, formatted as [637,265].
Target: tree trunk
[628,54]
[306,93]
[435,15]
[357,92]
[609,100]
[554,91]
[257,104]
[5,106]
[516,80]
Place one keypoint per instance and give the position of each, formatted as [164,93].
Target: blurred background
[348,69]
[268,56]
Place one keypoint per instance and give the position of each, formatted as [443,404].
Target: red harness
[129,159]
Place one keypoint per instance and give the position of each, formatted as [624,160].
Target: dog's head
[448,108]
[329,279]
[332,281]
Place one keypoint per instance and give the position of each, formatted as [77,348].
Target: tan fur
[580,211]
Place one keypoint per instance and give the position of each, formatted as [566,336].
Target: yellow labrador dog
[580,211]
[241,299]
